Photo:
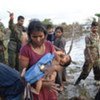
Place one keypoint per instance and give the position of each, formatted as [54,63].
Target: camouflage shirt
[92,47]
[15,36]
[16,31]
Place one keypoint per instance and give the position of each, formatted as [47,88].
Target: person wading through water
[92,55]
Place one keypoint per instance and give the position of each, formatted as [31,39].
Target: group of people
[24,56]
[26,50]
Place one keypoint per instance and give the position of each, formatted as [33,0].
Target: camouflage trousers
[2,57]
[13,60]
[2,54]
[87,68]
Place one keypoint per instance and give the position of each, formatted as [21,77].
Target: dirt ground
[86,88]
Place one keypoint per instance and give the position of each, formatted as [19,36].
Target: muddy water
[86,87]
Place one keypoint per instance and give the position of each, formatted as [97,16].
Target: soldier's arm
[11,21]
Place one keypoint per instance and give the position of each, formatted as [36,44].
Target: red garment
[27,52]
[45,94]
[33,57]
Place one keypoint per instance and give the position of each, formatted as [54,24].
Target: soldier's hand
[11,15]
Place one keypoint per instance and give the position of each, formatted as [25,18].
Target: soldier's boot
[77,81]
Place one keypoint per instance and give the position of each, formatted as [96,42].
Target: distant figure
[15,42]
[60,42]
[92,55]
[2,47]
[50,36]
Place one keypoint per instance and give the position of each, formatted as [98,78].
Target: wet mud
[86,88]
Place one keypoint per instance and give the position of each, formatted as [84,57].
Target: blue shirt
[8,75]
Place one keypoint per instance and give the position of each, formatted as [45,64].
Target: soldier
[14,44]
[92,55]
[2,47]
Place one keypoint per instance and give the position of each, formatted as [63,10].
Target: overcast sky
[58,11]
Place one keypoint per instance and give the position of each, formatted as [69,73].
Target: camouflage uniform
[14,44]
[92,57]
[2,47]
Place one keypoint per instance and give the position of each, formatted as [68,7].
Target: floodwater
[86,87]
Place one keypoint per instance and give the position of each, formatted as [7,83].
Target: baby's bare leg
[38,87]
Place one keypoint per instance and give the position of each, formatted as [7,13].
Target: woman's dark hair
[94,23]
[35,26]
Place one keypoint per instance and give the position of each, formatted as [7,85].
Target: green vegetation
[98,15]
[47,21]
